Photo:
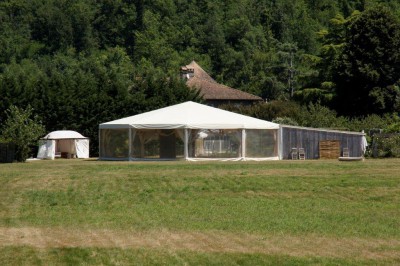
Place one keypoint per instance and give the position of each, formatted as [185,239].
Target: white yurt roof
[190,115]
[64,134]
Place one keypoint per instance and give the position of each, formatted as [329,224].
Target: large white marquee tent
[189,131]
[68,142]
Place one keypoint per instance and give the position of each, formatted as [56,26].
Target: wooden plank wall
[7,152]
[294,137]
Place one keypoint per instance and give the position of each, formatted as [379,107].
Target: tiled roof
[211,90]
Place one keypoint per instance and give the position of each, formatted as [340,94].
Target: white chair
[294,154]
[302,154]
[346,152]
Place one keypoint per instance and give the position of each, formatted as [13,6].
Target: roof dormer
[187,72]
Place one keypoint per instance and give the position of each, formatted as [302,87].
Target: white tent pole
[279,139]
[280,142]
[244,144]
[53,149]
[186,144]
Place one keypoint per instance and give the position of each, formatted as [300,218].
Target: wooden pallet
[329,149]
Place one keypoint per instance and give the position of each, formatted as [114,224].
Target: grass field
[71,212]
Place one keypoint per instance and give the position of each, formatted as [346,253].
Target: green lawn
[244,213]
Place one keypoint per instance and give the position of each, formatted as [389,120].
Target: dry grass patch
[211,241]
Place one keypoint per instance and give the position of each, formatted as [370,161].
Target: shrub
[267,111]
[386,145]
[22,130]
[319,116]
[285,121]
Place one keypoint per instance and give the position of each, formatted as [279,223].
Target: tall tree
[367,74]
[115,22]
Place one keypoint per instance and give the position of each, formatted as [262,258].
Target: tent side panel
[153,144]
[261,143]
[114,143]
[82,148]
[215,143]
[47,149]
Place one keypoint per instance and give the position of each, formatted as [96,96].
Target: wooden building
[213,93]
[7,152]
[321,143]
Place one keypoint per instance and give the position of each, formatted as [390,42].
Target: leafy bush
[22,130]
[319,116]
[268,111]
[310,95]
[285,121]
[386,145]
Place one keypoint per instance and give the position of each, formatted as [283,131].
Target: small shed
[321,143]
[7,152]
[63,143]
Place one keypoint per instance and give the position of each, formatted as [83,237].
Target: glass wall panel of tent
[117,144]
[227,143]
[114,143]
[215,143]
[157,144]
[261,143]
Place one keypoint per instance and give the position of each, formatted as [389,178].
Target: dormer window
[187,73]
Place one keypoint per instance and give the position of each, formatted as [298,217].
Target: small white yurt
[63,143]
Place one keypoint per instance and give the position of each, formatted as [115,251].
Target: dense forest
[79,63]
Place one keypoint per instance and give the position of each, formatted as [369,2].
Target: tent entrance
[65,148]
[167,144]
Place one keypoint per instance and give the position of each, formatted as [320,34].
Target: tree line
[79,63]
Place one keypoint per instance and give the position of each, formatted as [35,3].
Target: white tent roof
[190,115]
[64,134]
